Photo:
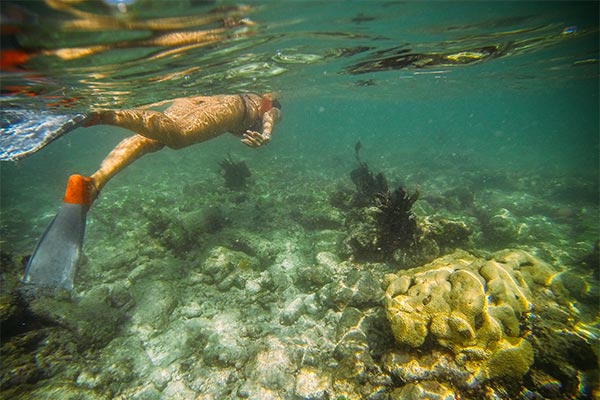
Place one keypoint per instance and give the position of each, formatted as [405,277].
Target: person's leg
[126,152]
[57,254]
[150,124]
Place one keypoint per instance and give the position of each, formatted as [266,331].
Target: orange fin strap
[78,190]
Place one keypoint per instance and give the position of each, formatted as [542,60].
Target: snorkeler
[184,122]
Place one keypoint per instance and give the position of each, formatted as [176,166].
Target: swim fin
[23,132]
[56,256]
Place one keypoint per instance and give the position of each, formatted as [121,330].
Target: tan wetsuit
[182,122]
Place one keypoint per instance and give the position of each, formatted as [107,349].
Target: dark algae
[380,221]
[235,173]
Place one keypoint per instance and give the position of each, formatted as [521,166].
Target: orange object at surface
[11,59]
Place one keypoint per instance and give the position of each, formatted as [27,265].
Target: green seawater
[515,131]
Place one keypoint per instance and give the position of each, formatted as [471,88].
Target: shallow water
[498,100]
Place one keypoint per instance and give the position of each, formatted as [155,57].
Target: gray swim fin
[56,256]
[23,132]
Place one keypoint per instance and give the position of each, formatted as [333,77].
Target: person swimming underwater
[181,123]
[184,122]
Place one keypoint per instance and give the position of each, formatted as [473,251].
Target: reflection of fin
[23,132]
[55,258]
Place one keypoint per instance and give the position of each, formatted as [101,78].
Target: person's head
[269,101]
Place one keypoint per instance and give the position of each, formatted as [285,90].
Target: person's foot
[91,119]
[80,190]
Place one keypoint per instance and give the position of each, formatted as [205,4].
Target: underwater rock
[592,261]
[183,232]
[254,245]
[97,317]
[424,251]
[357,289]
[155,301]
[413,367]
[342,198]
[117,366]
[501,228]
[18,369]
[60,329]
[359,337]
[362,239]
[223,336]
[178,390]
[143,393]
[15,316]
[576,286]
[318,219]
[459,198]
[424,390]
[168,230]
[213,220]
[330,241]
[313,277]
[93,318]
[226,268]
[546,386]
[448,234]
[564,355]
[268,373]
[311,384]
[293,310]
[165,347]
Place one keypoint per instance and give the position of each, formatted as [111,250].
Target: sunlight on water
[128,54]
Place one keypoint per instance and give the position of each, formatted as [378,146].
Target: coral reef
[235,173]
[379,221]
[185,232]
[448,234]
[476,310]
[396,222]
[471,320]
[247,295]
[46,332]
[382,225]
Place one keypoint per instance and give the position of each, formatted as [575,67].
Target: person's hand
[255,139]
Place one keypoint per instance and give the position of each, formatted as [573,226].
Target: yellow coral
[510,361]
[473,307]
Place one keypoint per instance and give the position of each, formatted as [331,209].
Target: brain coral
[478,309]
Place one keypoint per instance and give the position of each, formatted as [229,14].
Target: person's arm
[257,139]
